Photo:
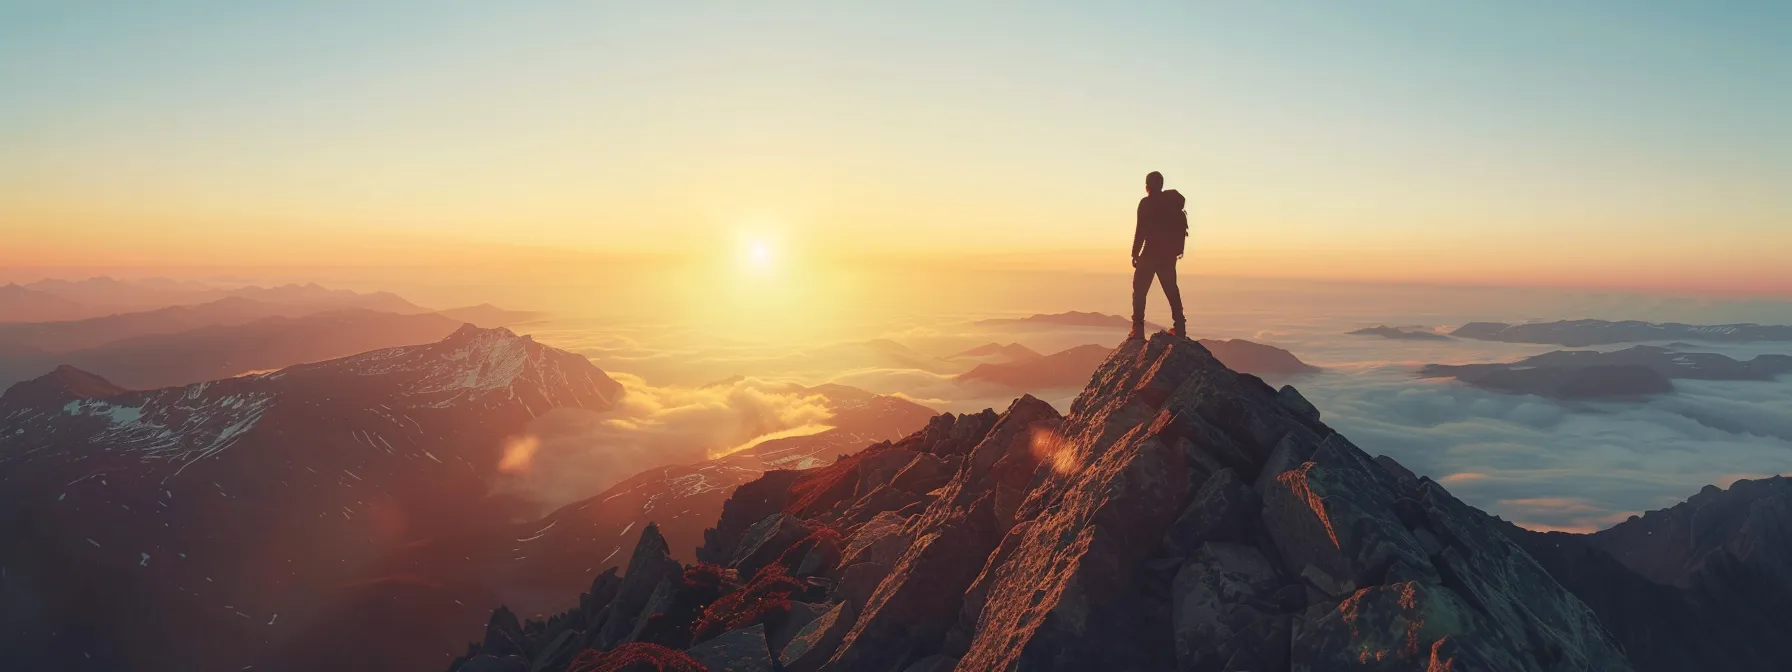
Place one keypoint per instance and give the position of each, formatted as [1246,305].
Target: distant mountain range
[488,316]
[997,353]
[24,304]
[1637,371]
[95,297]
[1400,333]
[1072,319]
[1584,333]
[178,345]
[1072,368]
[228,514]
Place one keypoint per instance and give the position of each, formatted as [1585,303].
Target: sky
[1631,145]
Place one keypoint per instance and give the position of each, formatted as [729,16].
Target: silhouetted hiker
[1156,245]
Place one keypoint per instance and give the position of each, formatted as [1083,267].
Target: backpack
[1173,221]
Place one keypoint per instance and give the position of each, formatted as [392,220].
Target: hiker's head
[1154,182]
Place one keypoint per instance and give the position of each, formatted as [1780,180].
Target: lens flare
[519,453]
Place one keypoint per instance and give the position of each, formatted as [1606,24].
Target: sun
[759,255]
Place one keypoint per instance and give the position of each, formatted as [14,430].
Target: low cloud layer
[1541,463]
[569,455]
[1566,466]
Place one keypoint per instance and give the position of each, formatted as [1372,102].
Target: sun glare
[759,255]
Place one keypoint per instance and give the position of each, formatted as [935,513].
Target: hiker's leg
[1141,284]
[1166,274]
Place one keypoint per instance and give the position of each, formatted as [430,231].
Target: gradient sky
[1640,144]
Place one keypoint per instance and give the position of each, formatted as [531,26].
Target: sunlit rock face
[1179,516]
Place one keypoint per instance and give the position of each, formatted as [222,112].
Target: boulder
[1336,512]
[800,615]
[1221,591]
[765,541]
[1292,398]
[881,499]
[926,472]
[881,539]
[816,641]
[742,650]
[822,557]
[1223,509]
[878,470]
[858,582]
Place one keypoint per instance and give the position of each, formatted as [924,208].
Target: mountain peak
[65,383]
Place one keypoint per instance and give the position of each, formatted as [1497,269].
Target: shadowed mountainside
[203,527]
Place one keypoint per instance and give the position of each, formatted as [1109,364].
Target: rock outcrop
[1180,516]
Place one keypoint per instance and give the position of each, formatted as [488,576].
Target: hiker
[1156,245]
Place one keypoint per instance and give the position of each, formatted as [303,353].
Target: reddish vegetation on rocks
[765,600]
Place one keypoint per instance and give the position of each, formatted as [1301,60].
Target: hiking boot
[1179,331]
[1137,333]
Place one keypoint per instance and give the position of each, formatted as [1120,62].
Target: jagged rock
[913,608]
[1336,512]
[659,602]
[883,498]
[593,602]
[1292,398]
[822,558]
[742,650]
[1092,521]
[491,663]
[650,565]
[504,634]
[1223,590]
[556,653]
[858,582]
[881,539]
[766,540]
[750,503]
[926,472]
[877,470]
[801,614]
[1223,509]
[812,644]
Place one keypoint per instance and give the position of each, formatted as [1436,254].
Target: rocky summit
[1181,516]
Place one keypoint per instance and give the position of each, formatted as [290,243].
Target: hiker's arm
[1138,232]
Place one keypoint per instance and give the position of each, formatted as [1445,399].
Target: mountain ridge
[1179,515]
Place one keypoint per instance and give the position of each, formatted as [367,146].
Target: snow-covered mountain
[197,527]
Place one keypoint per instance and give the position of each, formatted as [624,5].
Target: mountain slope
[1180,516]
[1703,585]
[443,588]
[227,508]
